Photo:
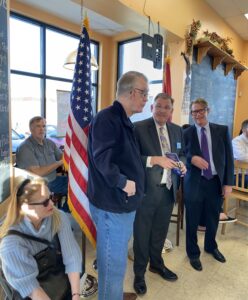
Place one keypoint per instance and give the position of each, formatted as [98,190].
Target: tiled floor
[228,281]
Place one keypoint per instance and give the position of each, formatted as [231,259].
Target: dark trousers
[59,185]
[150,229]
[209,201]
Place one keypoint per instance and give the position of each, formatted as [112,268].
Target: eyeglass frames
[199,111]
[143,93]
[45,203]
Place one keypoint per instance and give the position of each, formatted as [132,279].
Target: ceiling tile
[225,8]
[242,5]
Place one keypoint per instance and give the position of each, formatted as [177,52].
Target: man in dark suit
[156,137]
[209,177]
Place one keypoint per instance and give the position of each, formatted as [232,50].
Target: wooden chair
[239,192]
[177,217]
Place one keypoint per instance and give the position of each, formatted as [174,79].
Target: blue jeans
[113,233]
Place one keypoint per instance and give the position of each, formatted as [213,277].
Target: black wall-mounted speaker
[157,51]
[147,46]
[152,49]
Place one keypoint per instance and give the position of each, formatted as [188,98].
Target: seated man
[240,146]
[41,156]
[240,143]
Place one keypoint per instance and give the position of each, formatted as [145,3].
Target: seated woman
[31,211]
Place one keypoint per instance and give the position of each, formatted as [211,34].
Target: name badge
[179,145]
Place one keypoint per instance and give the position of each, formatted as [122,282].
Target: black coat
[113,157]
[149,145]
[222,158]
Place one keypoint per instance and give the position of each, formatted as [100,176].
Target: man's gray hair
[127,82]
[34,120]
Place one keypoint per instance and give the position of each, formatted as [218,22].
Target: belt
[214,177]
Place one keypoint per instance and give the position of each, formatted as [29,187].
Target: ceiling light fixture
[71,60]
[246,15]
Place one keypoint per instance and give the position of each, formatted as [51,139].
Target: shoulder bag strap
[30,237]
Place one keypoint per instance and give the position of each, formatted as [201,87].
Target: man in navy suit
[209,177]
[155,137]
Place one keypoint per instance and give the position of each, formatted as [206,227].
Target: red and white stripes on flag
[75,153]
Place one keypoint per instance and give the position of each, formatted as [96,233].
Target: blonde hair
[23,190]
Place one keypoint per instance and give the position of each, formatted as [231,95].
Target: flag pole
[75,155]
[83,252]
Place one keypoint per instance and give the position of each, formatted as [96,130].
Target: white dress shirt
[240,147]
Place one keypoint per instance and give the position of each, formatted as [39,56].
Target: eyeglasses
[143,93]
[45,203]
[198,111]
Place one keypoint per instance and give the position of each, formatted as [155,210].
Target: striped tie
[165,148]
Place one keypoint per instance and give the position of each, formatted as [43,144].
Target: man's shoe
[218,255]
[164,272]
[228,220]
[139,285]
[196,264]
[129,296]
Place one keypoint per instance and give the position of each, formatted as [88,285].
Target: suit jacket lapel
[171,138]
[154,136]
[196,140]
[214,138]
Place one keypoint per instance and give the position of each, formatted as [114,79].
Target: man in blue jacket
[116,182]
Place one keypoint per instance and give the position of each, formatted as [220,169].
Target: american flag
[167,76]
[75,154]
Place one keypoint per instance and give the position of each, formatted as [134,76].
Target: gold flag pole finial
[86,22]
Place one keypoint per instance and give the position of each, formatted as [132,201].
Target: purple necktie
[205,153]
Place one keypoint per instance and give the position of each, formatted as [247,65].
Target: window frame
[120,60]
[42,75]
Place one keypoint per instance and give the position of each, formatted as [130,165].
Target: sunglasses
[45,203]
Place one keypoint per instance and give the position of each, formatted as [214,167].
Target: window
[129,58]
[37,56]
